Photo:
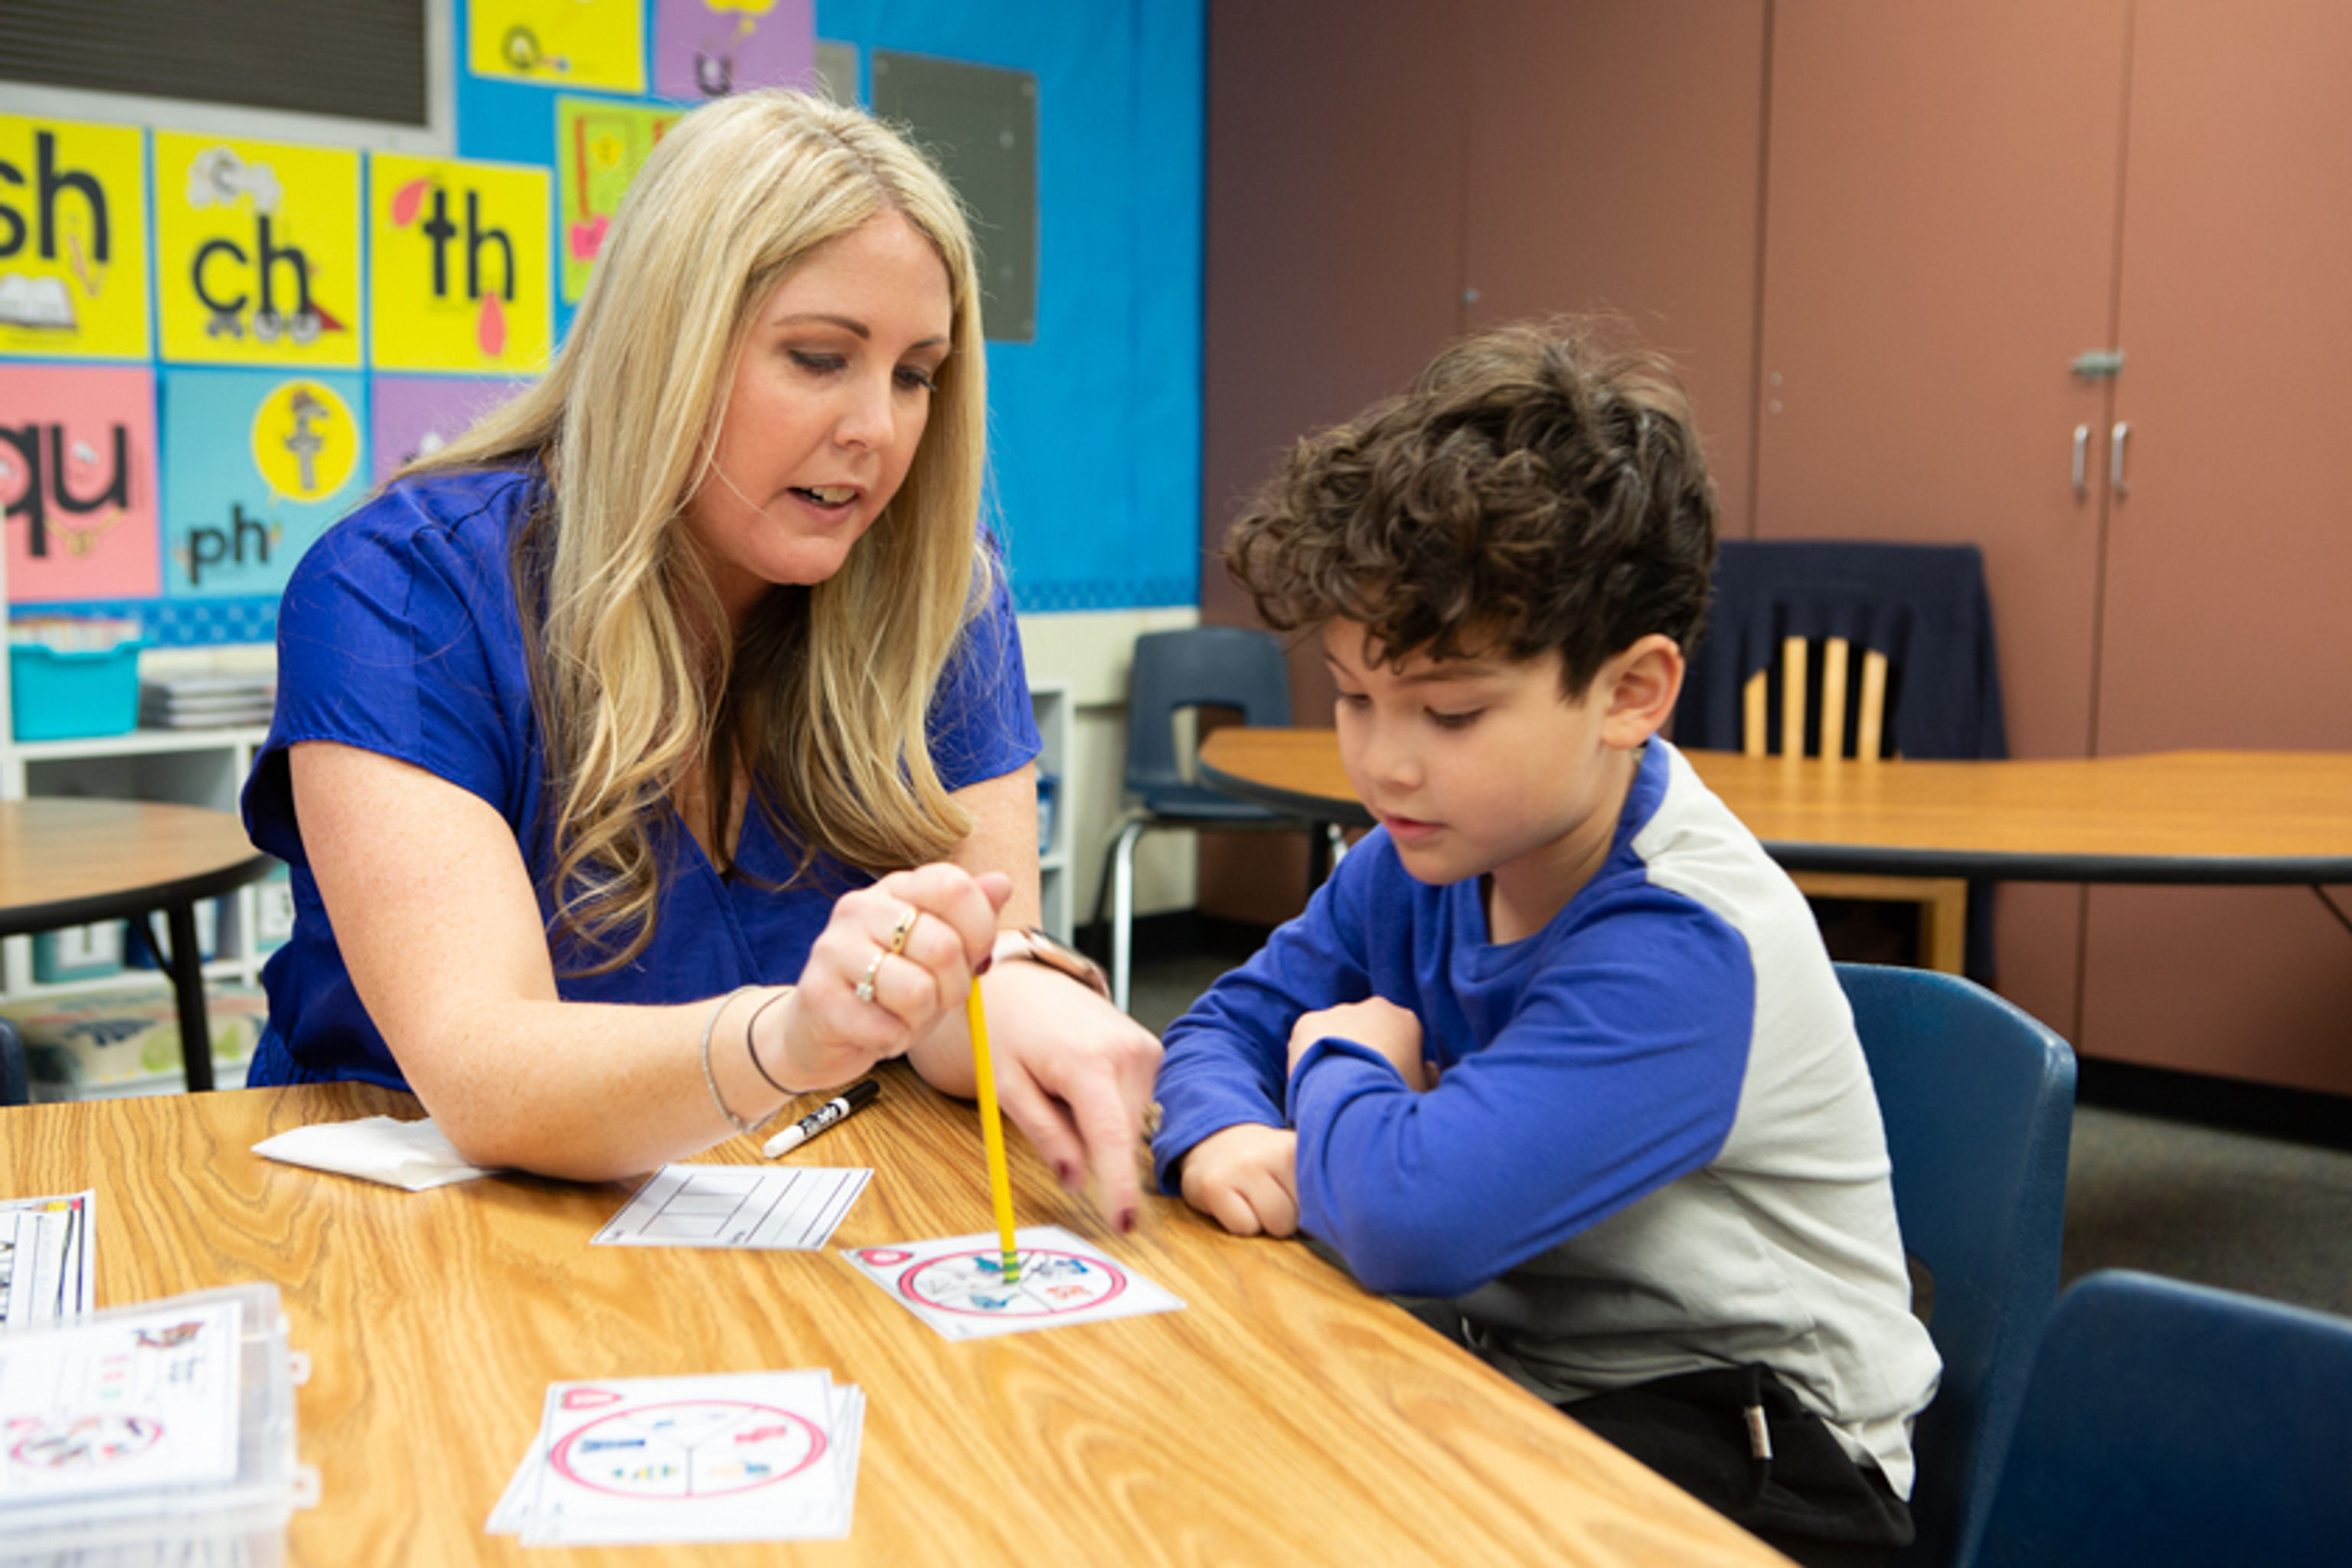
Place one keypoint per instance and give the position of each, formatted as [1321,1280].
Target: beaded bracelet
[753,1051]
[711,1080]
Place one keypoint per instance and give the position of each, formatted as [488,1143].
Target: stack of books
[206,701]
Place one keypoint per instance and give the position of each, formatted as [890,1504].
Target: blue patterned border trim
[1108,593]
[211,623]
[180,623]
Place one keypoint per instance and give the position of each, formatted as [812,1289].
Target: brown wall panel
[1615,160]
[2245,982]
[1334,266]
[1333,230]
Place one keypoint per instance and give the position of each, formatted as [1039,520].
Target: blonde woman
[662,749]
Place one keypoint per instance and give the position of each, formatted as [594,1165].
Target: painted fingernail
[1066,1173]
[987,961]
[1126,1221]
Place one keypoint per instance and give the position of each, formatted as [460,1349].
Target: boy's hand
[1374,1022]
[1246,1177]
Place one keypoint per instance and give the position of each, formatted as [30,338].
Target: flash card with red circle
[732,1457]
[958,1284]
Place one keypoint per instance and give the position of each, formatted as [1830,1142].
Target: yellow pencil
[992,1129]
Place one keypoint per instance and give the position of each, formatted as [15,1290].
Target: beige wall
[1089,652]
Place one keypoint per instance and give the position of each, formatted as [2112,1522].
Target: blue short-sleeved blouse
[399,634]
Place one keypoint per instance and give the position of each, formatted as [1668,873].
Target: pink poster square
[78,482]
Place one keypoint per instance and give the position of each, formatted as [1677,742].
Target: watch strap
[1033,945]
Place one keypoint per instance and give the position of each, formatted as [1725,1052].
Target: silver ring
[904,929]
[866,986]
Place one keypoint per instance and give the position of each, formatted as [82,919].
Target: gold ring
[866,986]
[904,929]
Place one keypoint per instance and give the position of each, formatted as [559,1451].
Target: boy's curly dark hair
[1536,489]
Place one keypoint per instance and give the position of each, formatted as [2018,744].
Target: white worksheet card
[134,1403]
[47,1263]
[956,1284]
[787,1208]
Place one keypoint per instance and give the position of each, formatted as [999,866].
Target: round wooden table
[2216,817]
[69,862]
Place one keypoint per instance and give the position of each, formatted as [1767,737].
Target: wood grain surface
[59,852]
[1282,1417]
[2171,816]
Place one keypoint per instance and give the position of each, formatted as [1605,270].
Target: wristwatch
[1037,947]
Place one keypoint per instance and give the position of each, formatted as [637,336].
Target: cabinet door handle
[2115,439]
[2082,460]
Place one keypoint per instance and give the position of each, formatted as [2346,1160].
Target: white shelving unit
[1051,703]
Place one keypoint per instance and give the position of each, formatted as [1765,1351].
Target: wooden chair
[1817,711]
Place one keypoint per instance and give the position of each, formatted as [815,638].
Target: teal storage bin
[56,696]
[81,952]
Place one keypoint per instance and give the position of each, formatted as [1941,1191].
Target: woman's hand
[1074,1074]
[894,960]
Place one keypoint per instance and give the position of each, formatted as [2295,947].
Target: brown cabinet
[1961,201]
[2227,617]
[1877,238]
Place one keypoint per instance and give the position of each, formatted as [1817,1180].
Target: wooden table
[1284,1415]
[2239,817]
[68,862]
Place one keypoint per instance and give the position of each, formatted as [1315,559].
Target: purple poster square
[709,48]
[417,415]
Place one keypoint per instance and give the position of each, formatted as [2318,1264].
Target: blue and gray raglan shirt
[1652,1148]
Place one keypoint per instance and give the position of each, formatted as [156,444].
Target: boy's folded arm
[1563,1121]
[1225,1060]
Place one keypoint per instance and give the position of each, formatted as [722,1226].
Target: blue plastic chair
[1977,1099]
[2167,1423]
[15,1087]
[1200,666]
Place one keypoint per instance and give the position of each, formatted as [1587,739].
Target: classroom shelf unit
[1051,704]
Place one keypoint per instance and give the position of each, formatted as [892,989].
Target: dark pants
[1737,1439]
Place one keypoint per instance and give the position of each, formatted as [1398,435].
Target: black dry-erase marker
[837,1109]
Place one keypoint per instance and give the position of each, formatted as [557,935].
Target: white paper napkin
[411,1154]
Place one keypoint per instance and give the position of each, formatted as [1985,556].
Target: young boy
[1557,1045]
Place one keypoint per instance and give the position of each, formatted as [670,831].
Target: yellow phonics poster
[257,251]
[460,268]
[73,239]
[599,146]
[560,43]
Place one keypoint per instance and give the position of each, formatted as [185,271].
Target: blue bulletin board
[1095,422]
[1095,416]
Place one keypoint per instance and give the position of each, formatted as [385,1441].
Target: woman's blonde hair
[825,692]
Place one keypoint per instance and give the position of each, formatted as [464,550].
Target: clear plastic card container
[86,1477]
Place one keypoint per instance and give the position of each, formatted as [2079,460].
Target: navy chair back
[1213,667]
[15,1088]
[1977,1099]
[2167,1423]
[1200,666]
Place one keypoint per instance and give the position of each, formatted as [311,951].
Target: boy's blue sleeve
[1226,1059]
[1620,1071]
